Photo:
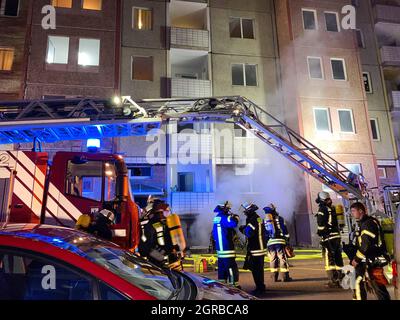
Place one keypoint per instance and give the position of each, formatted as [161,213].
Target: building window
[61,3]
[89,52]
[6,59]
[322,119]
[244,75]
[309,19]
[142,19]
[360,38]
[315,68]
[376,136]
[142,68]
[367,82]
[346,121]
[187,127]
[9,8]
[241,28]
[338,69]
[382,173]
[57,50]
[332,21]
[239,131]
[185,182]
[354,167]
[141,172]
[92,4]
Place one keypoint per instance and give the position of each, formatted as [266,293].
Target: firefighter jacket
[255,232]
[223,233]
[155,241]
[328,226]
[276,230]
[370,242]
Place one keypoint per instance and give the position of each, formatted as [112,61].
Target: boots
[275,277]
[286,277]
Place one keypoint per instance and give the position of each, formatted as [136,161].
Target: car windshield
[126,265]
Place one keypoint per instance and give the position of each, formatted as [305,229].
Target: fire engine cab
[74,183]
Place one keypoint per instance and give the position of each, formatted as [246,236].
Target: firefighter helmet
[224,206]
[108,214]
[324,195]
[249,207]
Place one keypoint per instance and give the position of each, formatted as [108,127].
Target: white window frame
[359,165]
[378,132]
[384,171]
[82,65]
[362,38]
[133,18]
[352,121]
[241,28]
[101,6]
[369,81]
[244,74]
[138,56]
[3,7]
[344,68]
[337,21]
[69,47]
[322,68]
[329,119]
[315,17]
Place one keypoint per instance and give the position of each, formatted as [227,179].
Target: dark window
[248,28]
[186,127]
[367,82]
[237,75]
[346,121]
[244,75]
[26,277]
[108,294]
[315,68]
[338,69]
[185,182]
[241,28]
[375,129]
[309,20]
[360,38]
[9,8]
[142,68]
[140,172]
[235,28]
[251,75]
[331,20]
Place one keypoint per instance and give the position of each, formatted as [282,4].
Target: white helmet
[108,214]
[324,195]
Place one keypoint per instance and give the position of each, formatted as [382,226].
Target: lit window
[244,75]
[346,121]
[375,129]
[9,8]
[241,28]
[309,19]
[382,173]
[338,69]
[6,59]
[332,21]
[89,52]
[61,3]
[142,19]
[322,119]
[354,167]
[360,38]
[57,50]
[367,82]
[92,4]
[142,68]
[315,68]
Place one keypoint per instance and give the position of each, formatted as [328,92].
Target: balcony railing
[396,100]
[390,56]
[189,38]
[192,202]
[387,13]
[184,88]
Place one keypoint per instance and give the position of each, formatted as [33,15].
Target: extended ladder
[55,120]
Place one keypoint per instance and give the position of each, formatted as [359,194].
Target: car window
[108,293]
[27,277]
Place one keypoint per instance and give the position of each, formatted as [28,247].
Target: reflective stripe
[358,288]
[229,219]
[283,270]
[257,253]
[360,255]
[260,239]
[226,254]
[251,226]
[271,242]
[321,228]
[219,232]
[320,213]
[368,233]
[274,270]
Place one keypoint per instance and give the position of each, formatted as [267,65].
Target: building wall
[13,35]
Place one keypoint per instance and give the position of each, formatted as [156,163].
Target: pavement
[309,279]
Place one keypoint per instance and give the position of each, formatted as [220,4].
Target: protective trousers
[278,259]
[360,291]
[257,269]
[332,255]
[228,271]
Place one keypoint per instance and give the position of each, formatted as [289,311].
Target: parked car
[40,262]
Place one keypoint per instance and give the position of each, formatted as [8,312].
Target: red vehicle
[40,262]
[58,194]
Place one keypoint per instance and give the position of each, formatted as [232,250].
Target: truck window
[110,181]
[85,179]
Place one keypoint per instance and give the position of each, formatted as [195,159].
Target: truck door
[5,195]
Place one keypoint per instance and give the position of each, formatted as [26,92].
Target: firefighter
[277,239]
[328,230]
[83,222]
[102,225]
[371,255]
[254,231]
[224,225]
[155,242]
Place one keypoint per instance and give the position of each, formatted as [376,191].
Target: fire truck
[76,183]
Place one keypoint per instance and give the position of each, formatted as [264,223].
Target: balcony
[396,100]
[190,38]
[192,202]
[387,13]
[390,56]
[190,88]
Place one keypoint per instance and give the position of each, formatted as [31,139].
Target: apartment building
[14,27]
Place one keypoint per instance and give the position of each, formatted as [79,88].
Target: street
[309,279]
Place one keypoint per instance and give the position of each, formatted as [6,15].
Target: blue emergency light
[93,145]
